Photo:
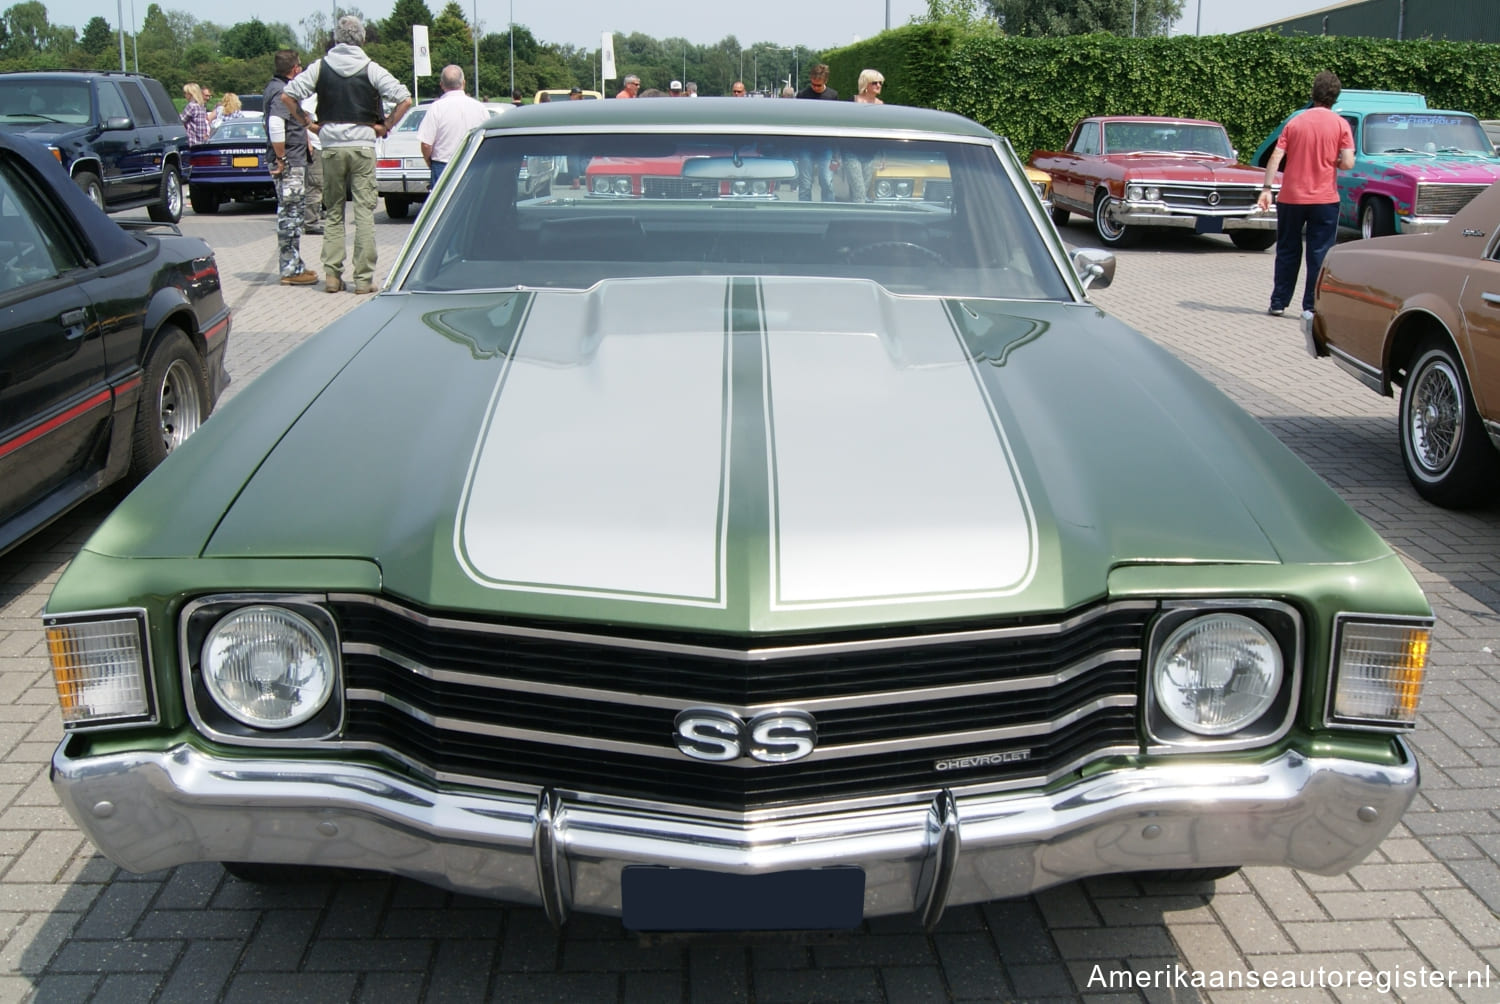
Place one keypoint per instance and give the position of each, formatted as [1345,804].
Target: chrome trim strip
[449,724]
[812,705]
[180,805]
[782,812]
[1370,376]
[755,654]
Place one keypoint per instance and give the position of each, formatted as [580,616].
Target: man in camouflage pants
[289,168]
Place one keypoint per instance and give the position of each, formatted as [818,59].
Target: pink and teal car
[1414,166]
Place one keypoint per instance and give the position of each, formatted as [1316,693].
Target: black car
[118,134]
[112,342]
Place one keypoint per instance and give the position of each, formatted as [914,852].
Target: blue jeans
[824,160]
[1319,225]
[436,167]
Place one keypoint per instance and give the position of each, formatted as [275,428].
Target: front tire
[1115,235]
[1376,218]
[174,401]
[88,182]
[1060,216]
[169,209]
[396,207]
[1448,456]
[1252,240]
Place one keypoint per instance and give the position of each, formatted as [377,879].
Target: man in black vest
[288,167]
[351,88]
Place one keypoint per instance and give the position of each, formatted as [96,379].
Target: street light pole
[120,16]
[513,49]
[475,32]
[135,38]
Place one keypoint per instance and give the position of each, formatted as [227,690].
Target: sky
[580,22]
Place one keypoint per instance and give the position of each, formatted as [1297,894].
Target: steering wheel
[895,250]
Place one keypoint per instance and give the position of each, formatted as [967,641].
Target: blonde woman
[859,171]
[194,116]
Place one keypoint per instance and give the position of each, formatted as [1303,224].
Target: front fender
[1417,318]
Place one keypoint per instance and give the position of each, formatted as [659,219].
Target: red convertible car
[1129,173]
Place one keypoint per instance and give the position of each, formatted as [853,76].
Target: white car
[401,174]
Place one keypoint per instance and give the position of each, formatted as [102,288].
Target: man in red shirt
[1316,144]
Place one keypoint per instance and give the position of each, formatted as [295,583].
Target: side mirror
[1094,267]
[118,122]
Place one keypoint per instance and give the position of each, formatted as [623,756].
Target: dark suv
[118,134]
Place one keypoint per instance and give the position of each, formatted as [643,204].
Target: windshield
[45,101]
[916,216]
[1166,137]
[411,120]
[241,129]
[1424,133]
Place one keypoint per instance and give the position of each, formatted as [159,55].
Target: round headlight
[268,667]
[1153,194]
[601,186]
[740,187]
[1217,674]
[1040,189]
[883,189]
[903,189]
[1134,193]
[622,186]
[760,188]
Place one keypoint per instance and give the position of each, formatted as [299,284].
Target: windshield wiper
[1405,149]
[32,115]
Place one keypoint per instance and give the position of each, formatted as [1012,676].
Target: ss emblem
[770,737]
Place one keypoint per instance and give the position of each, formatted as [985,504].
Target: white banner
[607,56]
[421,57]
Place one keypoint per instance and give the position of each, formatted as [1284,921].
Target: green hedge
[1033,90]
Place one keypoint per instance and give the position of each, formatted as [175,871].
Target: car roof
[1378,101]
[1156,120]
[731,112]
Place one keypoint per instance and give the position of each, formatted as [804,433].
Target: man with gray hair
[351,88]
[448,121]
[632,86]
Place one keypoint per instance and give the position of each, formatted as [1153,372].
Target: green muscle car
[727,562]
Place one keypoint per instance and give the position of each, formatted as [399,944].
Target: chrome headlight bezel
[1281,622]
[210,717]
[148,713]
[1332,717]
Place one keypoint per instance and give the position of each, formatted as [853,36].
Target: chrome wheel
[1447,455]
[180,405]
[1111,233]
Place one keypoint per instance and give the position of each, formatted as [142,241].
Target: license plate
[416,164]
[245,161]
[686,899]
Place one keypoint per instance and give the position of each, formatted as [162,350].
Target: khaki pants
[352,169]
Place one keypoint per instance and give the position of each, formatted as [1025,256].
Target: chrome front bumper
[1161,215]
[149,810]
[1421,224]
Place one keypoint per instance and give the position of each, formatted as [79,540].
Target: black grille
[489,726]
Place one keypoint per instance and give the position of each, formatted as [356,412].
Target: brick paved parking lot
[1426,905]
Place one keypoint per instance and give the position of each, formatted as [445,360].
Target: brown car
[1422,311]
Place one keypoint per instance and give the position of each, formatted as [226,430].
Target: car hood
[1181,168]
[1458,168]
[764,455]
[42,131]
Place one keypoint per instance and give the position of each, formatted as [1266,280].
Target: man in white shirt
[448,121]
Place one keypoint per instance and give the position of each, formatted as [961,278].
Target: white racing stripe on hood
[602,470]
[891,479]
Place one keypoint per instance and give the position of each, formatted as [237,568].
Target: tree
[98,37]
[1081,17]
[28,30]
[396,29]
[248,39]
